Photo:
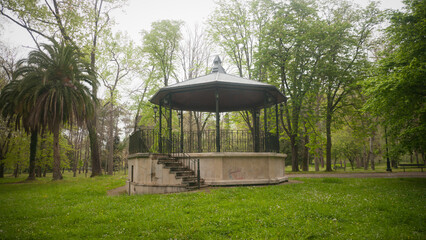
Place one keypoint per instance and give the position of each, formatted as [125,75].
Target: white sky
[139,14]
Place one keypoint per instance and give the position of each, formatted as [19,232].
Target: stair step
[178,169]
[172,164]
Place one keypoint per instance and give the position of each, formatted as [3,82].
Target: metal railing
[190,163]
[147,140]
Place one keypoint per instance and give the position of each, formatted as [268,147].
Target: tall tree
[397,91]
[345,30]
[194,55]
[161,45]
[236,27]
[55,89]
[291,55]
[10,112]
[117,66]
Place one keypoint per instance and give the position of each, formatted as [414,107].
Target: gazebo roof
[235,93]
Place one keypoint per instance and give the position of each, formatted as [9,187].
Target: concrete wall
[232,168]
[151,177]
[218,169]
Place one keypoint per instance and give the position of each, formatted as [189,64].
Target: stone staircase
[188,176]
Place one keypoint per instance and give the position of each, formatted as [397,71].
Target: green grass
[324,208]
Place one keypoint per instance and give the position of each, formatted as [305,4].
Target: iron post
[160,142]
[198,173]
[217,122]
[278,128]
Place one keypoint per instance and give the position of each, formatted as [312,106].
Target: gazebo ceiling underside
[235,94]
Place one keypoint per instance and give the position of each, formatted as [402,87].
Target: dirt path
[117,191]
[359,175]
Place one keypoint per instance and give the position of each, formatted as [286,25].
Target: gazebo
[216,92]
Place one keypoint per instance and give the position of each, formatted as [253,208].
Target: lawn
[327,208]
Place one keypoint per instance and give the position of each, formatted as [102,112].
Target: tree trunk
[305,163]
[94,146]
[38,172]
[16,171]
[33,150]
[417,156]
[111,139]
[56,155]
[1,168]
[316,160]
[294,154]
[328,133]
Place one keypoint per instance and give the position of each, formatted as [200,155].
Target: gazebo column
[170,125]
[265,123]
[217,122]
[181,131]
[278,128]
[160,142]
[256,134]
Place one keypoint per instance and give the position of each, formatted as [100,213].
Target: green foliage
[397,91]
[318,208]
[161,45]
[346,145]
[19,151]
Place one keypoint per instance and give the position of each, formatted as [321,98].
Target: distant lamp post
[155,113]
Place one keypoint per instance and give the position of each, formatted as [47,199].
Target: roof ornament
[217,65]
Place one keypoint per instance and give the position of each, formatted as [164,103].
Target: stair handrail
[191,163]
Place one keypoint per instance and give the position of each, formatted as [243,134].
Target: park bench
[414,165]
[339,167]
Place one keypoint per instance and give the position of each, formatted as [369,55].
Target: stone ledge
[236,154]
[155,189]
[246,182]
[138,155]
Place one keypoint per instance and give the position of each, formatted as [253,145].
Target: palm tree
[54,90]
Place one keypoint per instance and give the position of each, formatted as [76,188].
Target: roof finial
[217,65]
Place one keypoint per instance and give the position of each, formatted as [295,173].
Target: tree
[118,65]
[236,27]
[290,55]
[345,32]
[80,23]
[397,91]
[7,66]
[55,89]
[161,46]
[194,55]
[11,113]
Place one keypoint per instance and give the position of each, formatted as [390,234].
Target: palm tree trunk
[56,156]
[33,151]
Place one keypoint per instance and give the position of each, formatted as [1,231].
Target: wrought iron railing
[147,140]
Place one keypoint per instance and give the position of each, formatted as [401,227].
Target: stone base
[247,182]
[153,189]
[147,176]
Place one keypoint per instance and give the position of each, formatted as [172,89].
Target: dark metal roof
[235,93]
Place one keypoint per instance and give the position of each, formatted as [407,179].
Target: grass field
[325,208]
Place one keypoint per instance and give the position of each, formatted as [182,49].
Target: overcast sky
[139,14]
